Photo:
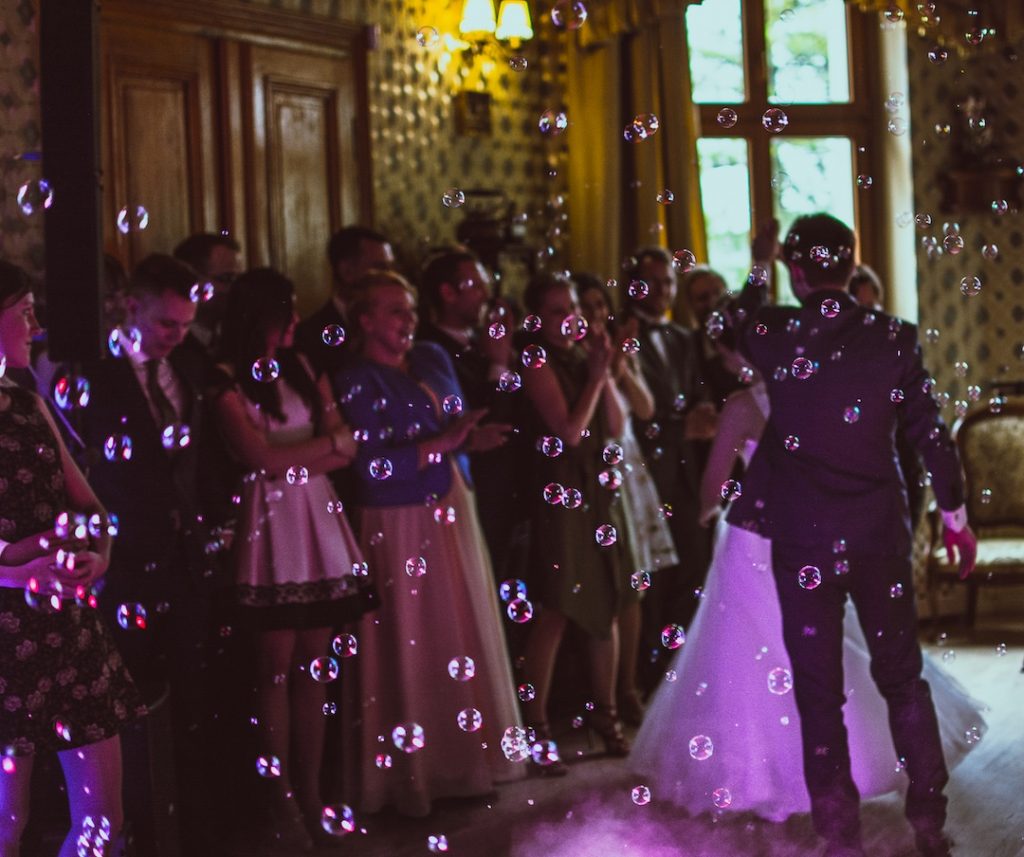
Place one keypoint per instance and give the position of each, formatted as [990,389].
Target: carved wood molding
[235,19]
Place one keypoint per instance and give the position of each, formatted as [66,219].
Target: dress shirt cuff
[955,519]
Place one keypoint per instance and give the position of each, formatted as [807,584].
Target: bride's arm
[741,419]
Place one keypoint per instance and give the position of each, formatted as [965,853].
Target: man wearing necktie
[681,417]
[141,429]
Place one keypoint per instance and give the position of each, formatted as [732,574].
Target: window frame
[855,120]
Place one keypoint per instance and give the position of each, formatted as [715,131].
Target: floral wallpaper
[976,337]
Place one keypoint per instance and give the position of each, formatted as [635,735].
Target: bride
[722,731]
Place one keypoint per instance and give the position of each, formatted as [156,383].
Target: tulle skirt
[730,683]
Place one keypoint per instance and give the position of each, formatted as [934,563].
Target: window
[785,120]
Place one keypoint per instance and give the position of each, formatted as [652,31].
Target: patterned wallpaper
[21,238]
[986,330]
[417,153]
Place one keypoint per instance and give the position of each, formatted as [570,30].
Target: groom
[825,487]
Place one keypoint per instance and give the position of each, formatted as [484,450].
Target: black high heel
[605,722]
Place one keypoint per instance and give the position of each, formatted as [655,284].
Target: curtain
[630,58]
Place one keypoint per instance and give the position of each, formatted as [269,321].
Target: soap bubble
[701,748]
[416,566]
[970,286]
[338,819]
[71,392]
[437,843]
[462,668]
[452,404]
[568,14]
[268,767]
[722,798]
[408,737]
[673,636]
[427,37]
[780,681]
[509,381]
[809,577]
[117,447]
[605,535]
[453,198]
[526,692]
[332,335]
[727,117]
[381,468]
[551,446]
[324,669]
[731,490]
[131,616]
[552,122]
[297,475]
[132,218]
[612,454]
[469,720]
[265,370]
[774,120]
[641,795]
[519,610]
[534,356]
[684,260]
[640,580]
[35,195]
[515,744]
[345,645]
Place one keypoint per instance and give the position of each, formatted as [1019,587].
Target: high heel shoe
[549,767]
[631,709]
[605,722]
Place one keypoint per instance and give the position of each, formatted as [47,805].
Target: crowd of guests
[331,562]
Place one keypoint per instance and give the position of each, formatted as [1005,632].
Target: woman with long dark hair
[298,569]
[63,686]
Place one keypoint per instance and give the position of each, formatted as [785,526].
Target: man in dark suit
[217,260]
[703,289]
[454,291]
[141,429]
[681,417]
[352,252]
[825,487]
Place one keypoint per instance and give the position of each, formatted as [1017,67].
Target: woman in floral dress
[63,686]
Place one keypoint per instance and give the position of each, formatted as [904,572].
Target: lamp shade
[477,17]
[514,20]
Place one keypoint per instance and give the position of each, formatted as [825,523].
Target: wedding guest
[866,287]
[352,251]
[141,431]
[650,540]
[578,536]
[455,289]
[297,565]
[217,261]
[682,417]
[438,623]
[701,290]
[63,685]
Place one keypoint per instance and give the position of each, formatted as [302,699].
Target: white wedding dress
[729,688]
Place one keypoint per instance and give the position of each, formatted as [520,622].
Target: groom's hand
[963,544]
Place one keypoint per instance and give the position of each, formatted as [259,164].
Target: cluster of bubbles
[642,127]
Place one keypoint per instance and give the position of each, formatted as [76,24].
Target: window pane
[714,33]
[725,198]
[807,55]
[810,174]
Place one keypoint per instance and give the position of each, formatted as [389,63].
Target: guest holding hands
[433,674]
[63,686]
[298,570]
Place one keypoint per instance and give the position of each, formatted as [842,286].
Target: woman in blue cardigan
[434,677]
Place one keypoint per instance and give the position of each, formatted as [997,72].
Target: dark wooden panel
[305,180]
[160,141]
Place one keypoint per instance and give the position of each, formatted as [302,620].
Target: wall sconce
[481,28]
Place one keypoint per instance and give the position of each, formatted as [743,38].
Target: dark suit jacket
[843,481]
[674,384]
[154,493]
[325,359]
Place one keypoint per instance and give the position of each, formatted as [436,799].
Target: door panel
[303,178]
[159,140]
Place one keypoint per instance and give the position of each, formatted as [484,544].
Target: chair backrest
[992,450]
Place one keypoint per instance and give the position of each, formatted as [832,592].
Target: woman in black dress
[63,686]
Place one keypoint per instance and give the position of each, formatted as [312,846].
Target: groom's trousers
[812,617]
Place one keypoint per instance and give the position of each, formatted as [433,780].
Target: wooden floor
[589,813]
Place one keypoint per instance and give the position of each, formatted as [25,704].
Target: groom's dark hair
[822,247]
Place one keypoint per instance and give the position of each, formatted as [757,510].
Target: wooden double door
[230,116]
